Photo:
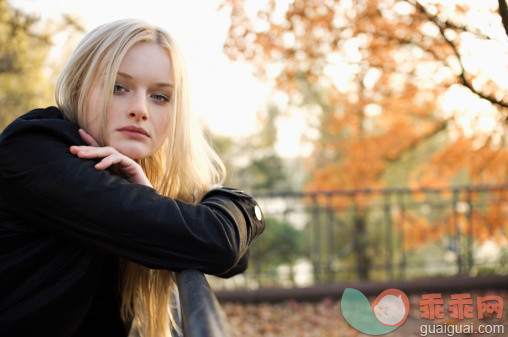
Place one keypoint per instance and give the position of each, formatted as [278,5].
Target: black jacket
[64,225]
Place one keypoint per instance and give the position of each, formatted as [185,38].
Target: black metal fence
[378,235]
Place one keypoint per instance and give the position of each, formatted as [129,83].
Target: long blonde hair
[183,168]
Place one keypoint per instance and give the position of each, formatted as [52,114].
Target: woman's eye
[160,98]
[118,88]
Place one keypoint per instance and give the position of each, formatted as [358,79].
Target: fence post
[458,233]
[331,240]
[389,234]
[402,243]
[470,257]
[317,254]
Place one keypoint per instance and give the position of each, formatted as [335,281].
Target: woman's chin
[132,151]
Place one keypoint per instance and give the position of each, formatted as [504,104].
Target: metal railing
[198,312]
[378,235]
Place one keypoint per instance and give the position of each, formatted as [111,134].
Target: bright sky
[224,94]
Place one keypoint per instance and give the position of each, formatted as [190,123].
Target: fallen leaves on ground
[324,319]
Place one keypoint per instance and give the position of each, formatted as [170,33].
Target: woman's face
[138,115]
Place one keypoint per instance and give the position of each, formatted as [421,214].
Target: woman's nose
[138,109]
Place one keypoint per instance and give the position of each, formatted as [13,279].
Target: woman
[103,196]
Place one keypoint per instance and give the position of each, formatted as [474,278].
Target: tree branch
[463,79]
[448,23]
[439,127]
[503,12]
[402,41]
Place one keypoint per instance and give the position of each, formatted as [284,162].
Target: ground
[324,319]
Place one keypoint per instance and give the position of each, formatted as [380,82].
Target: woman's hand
[118,163]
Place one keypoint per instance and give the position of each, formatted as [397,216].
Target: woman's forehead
[149,61]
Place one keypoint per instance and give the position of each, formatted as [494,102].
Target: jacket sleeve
[62,194]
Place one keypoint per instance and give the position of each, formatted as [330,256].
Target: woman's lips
[134,132]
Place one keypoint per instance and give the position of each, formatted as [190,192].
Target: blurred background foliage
[23,52]
[379,78]
[27,71]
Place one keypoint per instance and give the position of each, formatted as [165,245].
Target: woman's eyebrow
[125,75]
[159,84]
[164,84]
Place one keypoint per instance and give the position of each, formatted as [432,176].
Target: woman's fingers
[108,161]
[111,158]
[87,138]
[84,151]
[110,155]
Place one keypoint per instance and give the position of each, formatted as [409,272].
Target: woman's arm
[63,194]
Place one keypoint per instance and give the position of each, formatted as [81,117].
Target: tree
[265,170]
[410,57]
[381,73]
[25,77]
[281,244]
[252,162]
[21,63]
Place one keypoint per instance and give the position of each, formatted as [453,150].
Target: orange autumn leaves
[363,160]
[481,216]
[487,163]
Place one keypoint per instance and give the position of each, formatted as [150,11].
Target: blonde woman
[102,197]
